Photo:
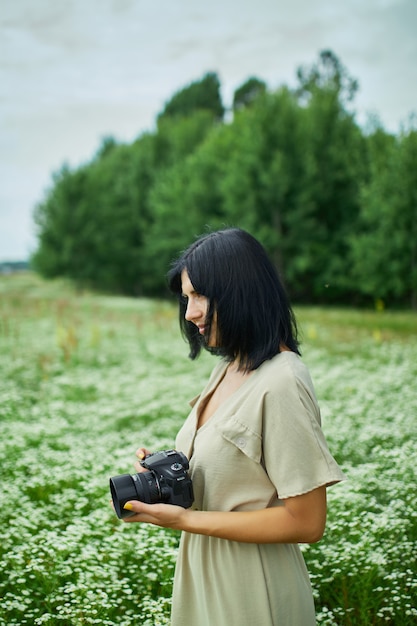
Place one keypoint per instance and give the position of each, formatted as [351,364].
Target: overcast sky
[74,71]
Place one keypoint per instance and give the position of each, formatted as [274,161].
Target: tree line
[334,204]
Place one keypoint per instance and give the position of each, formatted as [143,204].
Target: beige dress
[262,445]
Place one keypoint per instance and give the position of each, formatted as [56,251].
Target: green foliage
[329,75]
[247,93]
[59,224]
[335,152]
[86,379]
[199,95]
[93,220]
[385,251]
[262,183]
[335,206]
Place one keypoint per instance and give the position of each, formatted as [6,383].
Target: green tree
[248,92]
[91,224]
[328,74]
[334,205]
[58,223]
[202,94]
[178,137]
[94,225]
[185,202]
[262,184]
[108,143]
[337,166]
[385,251]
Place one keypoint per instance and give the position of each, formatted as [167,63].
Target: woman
[258,458]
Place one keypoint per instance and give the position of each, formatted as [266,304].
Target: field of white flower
[85,379]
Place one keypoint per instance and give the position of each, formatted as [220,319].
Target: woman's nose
[192,311]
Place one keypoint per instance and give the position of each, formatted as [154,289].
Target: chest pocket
[242,437]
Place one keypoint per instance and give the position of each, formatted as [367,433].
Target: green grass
[85,379]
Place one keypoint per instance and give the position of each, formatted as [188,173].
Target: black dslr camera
[166,481]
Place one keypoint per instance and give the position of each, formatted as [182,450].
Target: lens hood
[122,490]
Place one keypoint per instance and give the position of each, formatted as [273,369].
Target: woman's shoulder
[285,363]
[286,371]
[287,379]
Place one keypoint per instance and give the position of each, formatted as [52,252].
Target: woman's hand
[164,515]
[300,519]
[141,453]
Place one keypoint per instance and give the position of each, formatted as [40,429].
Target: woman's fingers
[141,453]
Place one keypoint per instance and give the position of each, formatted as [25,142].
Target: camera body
[166,480]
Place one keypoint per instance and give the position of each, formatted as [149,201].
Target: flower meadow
[85,379]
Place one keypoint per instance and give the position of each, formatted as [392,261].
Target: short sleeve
[295,452]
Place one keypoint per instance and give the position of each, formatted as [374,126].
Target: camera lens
[143,487]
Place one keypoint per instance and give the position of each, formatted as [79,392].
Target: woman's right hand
[141,453]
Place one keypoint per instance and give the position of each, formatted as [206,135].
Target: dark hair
[254,316]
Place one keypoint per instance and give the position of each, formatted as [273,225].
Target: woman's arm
[300,519]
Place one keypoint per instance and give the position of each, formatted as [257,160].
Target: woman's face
[197,308]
